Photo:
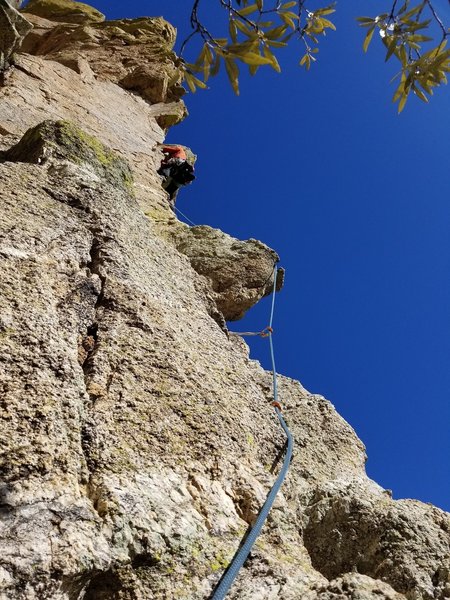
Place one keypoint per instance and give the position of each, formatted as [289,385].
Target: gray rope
[241,555]
[184,216]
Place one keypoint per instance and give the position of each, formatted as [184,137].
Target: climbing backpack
[183,173]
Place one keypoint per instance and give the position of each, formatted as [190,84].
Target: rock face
[139,441]
[66,11]
[64,144]
[134,53]
[239,273]
[13,28]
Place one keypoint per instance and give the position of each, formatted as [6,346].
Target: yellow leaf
[276,44]
[306,62]
[190,81]
[243,27]
[276,33]
[251,58]
[368,39]
[287,20]
[273,61]
[325,11]
[420,94]
[209,55]
[233,30]
[398,92]
[248,10]
[216,66]
[401,104]
[290,14]
[327,23]
[233,73]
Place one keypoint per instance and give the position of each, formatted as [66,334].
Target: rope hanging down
[241,555]
[184,216]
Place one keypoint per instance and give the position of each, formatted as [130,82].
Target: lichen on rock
[64,140]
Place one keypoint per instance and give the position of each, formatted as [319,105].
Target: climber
[175,170]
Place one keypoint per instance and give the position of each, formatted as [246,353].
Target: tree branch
[437,19]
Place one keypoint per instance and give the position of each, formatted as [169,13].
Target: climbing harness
[247,543]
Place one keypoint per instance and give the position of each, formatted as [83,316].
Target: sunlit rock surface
[138,438]
[13,28]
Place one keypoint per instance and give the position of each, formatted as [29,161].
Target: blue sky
[355,199]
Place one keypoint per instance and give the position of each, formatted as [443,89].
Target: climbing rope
[183,215]
[247,543]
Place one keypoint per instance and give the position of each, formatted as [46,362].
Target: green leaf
[289,4]
[368,39]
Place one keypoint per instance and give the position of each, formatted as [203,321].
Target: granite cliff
[138,437]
